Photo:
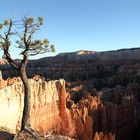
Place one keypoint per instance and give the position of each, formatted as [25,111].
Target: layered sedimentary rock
[114,112]
[44,101]
[48,113]
[11,107]
[116,82]
[106,55]
[53,110]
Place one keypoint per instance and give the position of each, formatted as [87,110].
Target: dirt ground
[25,136]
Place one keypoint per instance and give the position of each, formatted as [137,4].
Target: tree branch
[32,32]
[10,60]
[6,45]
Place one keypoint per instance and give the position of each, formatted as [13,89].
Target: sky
[72,25]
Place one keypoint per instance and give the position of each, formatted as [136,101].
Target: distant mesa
[121,54]
[104,55]
[80,52]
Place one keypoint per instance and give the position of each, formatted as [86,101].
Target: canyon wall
[11,107]
[44,104]
[48,109]
[52,110]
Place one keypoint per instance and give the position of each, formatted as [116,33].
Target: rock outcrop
[48,111]
[44,99]
[102,136]
[53,110]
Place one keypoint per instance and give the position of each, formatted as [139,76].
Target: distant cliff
[105,55]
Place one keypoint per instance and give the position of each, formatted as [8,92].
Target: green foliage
[40,19]
[6,22]
[1,26]
[53,48]
[24,31]
[30,20]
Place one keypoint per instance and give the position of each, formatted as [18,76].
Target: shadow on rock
[6,135]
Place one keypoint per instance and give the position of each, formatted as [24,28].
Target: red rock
[49,112]
[102,136]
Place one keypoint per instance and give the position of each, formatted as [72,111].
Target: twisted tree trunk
[27,95]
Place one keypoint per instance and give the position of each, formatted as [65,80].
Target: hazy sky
[73,25]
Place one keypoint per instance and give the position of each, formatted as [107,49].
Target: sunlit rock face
[45,107]
[49,112]
[44,100]
[11,107]
[52,110]
[48,107]
[102,136]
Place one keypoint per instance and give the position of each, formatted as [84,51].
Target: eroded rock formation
[102,136]
[48,113]
[53,110]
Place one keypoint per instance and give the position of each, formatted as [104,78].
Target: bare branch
[10,60]
[6,45]
[32,32]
